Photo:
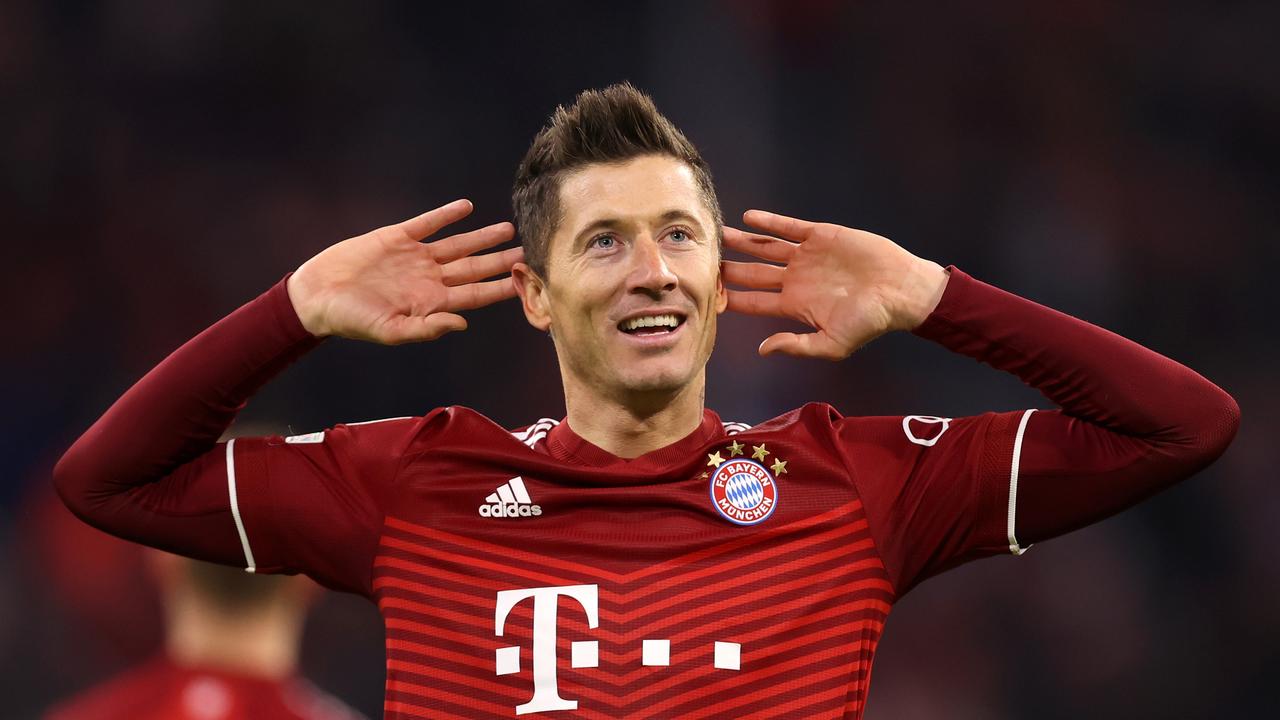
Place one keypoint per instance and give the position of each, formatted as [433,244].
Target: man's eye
[680,236]
[604,241]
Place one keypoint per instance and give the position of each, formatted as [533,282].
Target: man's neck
[635,424]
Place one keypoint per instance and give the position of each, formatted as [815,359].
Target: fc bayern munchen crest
[744,491]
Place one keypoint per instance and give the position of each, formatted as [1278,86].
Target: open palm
[850,286]
[388,286]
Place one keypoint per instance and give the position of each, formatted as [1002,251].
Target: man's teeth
[651,321]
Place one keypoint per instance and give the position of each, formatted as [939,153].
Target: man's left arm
[1132,421]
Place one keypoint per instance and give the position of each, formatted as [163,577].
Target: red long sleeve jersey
[740,572]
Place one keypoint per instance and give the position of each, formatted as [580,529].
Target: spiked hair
[606,126]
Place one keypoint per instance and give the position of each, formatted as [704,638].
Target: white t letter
[546,693]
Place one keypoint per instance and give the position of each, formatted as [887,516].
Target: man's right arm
[151,469]
[163,428]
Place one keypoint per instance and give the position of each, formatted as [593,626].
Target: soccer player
[639,558]
[231,653]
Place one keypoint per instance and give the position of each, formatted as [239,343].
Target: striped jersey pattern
[805,602]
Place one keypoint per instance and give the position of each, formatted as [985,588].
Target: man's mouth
[658,324]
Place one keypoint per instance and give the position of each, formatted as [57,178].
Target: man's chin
[659,381]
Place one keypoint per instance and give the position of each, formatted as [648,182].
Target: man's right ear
[533,296]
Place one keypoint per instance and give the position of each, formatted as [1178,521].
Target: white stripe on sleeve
[250,565]
[1013,483]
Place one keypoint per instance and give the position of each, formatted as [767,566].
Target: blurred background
[162,163]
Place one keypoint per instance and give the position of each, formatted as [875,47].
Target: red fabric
[162,690]
[866,508]
[931,507]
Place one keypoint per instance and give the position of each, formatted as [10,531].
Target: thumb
[411,328]
[814,344]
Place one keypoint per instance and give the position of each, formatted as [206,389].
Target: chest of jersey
[741,582]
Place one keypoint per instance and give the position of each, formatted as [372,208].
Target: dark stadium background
[163,162]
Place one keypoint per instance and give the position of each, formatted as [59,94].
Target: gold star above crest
[735,449]
[780,467]
[759,452]
[714,459]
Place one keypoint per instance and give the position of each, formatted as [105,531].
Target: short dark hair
[612,125]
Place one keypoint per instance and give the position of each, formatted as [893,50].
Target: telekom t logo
[546,693]
[586,653]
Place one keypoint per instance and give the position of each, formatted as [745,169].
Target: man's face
[634,278]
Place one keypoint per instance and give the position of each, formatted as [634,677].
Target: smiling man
[633,297]
[639,558]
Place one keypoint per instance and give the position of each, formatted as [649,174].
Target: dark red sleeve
[1131,423]
[151,470]
[314,503]
[934,489]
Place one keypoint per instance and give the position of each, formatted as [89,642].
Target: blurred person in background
[230,653]
[710,568]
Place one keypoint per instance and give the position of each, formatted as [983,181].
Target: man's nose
[650,272]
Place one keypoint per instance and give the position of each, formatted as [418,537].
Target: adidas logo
[511,499]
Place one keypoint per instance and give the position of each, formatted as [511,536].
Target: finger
[418,328]
[756,303]
[781,225]
[478,267]
[432,220]
[455,246]
[813,345]
[760,276]
[761,246]
[476,295]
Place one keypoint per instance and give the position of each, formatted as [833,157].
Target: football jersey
[740,572]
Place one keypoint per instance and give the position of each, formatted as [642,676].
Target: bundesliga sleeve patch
[308,439]
[744,490]
[925,430]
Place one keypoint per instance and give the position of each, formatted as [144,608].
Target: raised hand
[850,286]
[389,287]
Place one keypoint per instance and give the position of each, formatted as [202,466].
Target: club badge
[744,489]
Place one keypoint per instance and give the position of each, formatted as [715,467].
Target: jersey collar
[566,445]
